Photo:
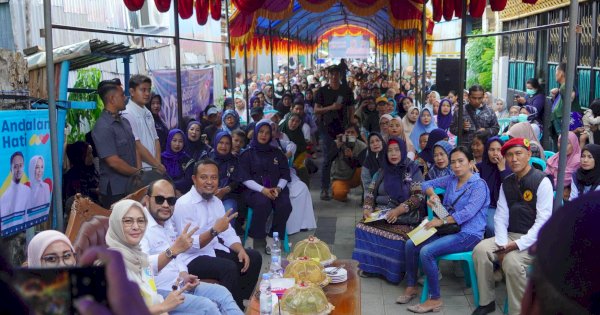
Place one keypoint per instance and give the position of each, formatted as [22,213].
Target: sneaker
[269,245]
[249,243]
[325,195]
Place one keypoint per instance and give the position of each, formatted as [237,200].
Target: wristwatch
[169,254]
[213,232]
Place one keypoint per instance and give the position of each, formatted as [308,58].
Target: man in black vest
[524,205]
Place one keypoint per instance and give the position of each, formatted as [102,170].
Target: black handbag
[450,228]
[409,218]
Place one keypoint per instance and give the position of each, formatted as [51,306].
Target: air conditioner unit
[149,20]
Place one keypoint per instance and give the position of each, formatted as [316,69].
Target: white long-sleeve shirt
[192,208]
[156,241]
[545,196]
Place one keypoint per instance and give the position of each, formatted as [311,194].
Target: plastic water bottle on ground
[276,247]
[266,302]
[275,269]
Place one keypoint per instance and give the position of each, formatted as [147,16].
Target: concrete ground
[335,225]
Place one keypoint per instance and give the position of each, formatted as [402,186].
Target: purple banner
[197,88]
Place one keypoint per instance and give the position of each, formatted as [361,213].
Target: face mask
[531,92]
[279,88]
[514,119]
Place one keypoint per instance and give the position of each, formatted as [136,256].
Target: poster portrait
[197,88]
[26,168]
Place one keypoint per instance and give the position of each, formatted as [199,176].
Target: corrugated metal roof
[102,51]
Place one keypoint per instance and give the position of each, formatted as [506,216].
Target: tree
[81,121]
[480,53]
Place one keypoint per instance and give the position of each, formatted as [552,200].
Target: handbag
[409,218]
[441,212]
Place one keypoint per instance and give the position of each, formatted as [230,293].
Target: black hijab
[589,177]
[371,160]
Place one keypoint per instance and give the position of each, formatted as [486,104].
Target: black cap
[256,111]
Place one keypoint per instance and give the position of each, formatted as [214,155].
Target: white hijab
[40,242]
[135,259]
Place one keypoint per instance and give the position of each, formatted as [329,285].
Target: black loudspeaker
[446,77]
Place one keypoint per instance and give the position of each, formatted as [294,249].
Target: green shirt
[557,113]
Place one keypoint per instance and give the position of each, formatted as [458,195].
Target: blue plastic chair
[465,257]
[286,242]
[535,160]
[548,154]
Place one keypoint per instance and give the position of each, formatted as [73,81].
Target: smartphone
[53,290]
[340,100]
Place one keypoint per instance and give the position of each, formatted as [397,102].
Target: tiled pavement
[336,221]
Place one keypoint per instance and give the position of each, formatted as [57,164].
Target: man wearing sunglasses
[162,245]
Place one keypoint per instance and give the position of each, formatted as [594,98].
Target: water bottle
[276,247]
[275,269]
[266,307]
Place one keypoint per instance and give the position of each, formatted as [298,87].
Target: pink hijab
[573,160]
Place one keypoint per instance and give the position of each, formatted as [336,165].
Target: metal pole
[566,98]
[400,57]
[230,61]
[393,52]
[423,51]
[56,169]
[178,65]
[376,49]
[126,73]
[271,44]
[246,77]
[416,68]
[595,51]
[461,69]
[297,51]
[288,53]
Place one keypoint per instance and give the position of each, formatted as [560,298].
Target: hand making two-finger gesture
[184,241]
[223,222]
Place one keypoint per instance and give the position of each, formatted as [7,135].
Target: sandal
[364,274]
[404,299]
[420,309]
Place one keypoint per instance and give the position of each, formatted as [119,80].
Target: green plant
[480,53]
[81,121]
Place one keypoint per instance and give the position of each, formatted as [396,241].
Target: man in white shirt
[142,123]
[13,202]
[524,206]
[163,246]
[216,252]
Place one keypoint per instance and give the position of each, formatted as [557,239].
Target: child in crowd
[423,140]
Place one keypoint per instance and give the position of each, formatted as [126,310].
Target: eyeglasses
[128,222]
[161,199]
[53,260]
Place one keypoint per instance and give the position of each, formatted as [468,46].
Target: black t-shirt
[334,121]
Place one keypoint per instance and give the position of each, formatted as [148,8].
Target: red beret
[515,142]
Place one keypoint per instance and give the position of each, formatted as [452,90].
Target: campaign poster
[355,47]
[197,88]
[26,168]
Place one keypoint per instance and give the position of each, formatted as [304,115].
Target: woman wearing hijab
[265,172]
[409,120]
[82,176]
[424,124]
[292,128]
[162,130]
[384,125]
[396,129]
[371,159]
[40,190]
[50,249]
[524,130]
[241,110]
[228,170]
[587,177]
[178,163]
[195,147]
[444,115]
[425,157]
[573,161]
[302,216]
[395,189]
[231,121]
[493,170]
[126,227]
[532,113]
[441,160]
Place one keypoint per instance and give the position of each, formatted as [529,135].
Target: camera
[349,141]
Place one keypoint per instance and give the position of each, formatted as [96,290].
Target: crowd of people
[367,129]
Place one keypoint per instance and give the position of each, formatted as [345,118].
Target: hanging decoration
[186,8]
